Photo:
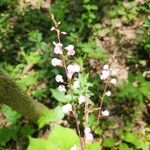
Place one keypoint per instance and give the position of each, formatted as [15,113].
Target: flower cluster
[71,68]
[107,73]
[108,76]
[105,113]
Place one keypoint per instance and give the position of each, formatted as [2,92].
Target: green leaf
[93,146]
[60,96]
[37,144]
[27,80]
[123,146]
[11,115]
[132,138]
[135,140]
[63,138]
[92,50]
[51,116]
[109,142]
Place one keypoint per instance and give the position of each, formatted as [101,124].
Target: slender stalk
[102,99]
[69,81]
[56,24]
[78,129]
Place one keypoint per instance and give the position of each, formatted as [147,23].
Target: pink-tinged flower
[76,84]
[70,50]
[67,108]
[113,81]
[105,74]
[105,113]
[108,93]
[59,78]
[56,62]
[58,48]
[69,75]
[71,69]
[89,137]
[82,99]
[88,134]
[61,88]
[106,67]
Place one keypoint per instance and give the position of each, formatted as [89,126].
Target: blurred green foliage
[25,54]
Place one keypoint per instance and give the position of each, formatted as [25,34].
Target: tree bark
[11,95]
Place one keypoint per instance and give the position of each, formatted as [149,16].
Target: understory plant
[74,96]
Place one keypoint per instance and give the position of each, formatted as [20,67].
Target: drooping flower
[88,134]
[89,137]
[59,78]
[105,113]
[61,88]
[56,62]
[113,81]
[70,50]
[108,93]
[76,84]
[58,48]
[67,108]
[71,69]
[82,99]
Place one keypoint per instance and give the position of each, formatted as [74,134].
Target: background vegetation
[100,30]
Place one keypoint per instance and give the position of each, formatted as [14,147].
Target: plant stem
[102,99]
[78,129]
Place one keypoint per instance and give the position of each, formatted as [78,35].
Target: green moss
[11,95]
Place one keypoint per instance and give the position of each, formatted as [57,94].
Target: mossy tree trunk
[11,95]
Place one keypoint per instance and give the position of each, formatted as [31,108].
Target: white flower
[76,84]
[105,113]
[106,67]
[74,147]
[108,93]
[67,108]
[69,47]
[82,99]
[59,78]
[105,74]
[113,81]
[89,137]
[56,62]
[87,130]
[71,69]
[61,88]
[69,75]
[58,48]
[70,50]
[88,134]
